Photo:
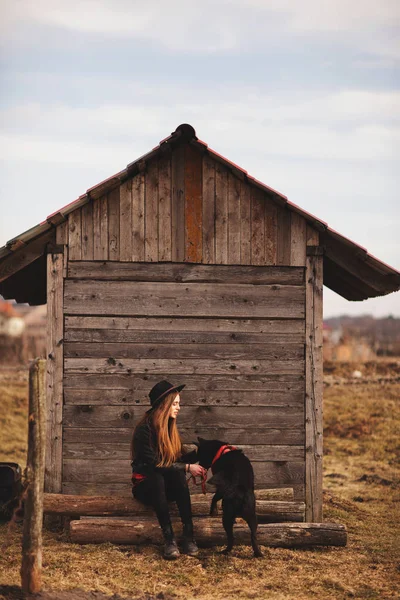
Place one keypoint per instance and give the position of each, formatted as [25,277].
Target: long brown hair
[169,443]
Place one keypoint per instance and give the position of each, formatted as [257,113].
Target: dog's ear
[200,439]
[195,444]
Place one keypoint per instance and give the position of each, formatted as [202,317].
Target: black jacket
[146,455]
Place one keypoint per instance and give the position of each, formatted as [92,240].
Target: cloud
[223,26]
[344,125]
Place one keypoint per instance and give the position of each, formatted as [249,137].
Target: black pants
[163,486]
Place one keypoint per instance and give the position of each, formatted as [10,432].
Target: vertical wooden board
[138,187]
[271,231]
[245,222]
[298,228]
[54,379]
[151,213]
[104,227]
[164,208]
[193,205]
[87,231]
[314,388]
[312,236]
[284,236]
[208,210]
[125,221]
[257,227]
[178,204]
[62,234]
[97,253]
[221,214]
[75,235]
[113,202]
[233,220]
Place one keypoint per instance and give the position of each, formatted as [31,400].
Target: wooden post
[31,567]
[314,378]
[54,380]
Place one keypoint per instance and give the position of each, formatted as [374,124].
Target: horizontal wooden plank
[184,272]
[110,397]
[137,326]
[117,471]
[237,435]
[103,451]
[288,351]
[190,416]
[182,367]
[190,300]
[145,381]
[118,336]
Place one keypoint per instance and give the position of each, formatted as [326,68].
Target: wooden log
[266,474]
[208,532]
[124,490]
[31,566]
[283,494]
[103,506]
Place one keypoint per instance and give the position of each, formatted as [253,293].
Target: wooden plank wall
[187,207]
[235,335]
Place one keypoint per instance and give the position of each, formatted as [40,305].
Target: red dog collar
[223,450]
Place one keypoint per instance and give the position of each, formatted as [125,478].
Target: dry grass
[361,490]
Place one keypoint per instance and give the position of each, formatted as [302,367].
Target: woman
[159,467]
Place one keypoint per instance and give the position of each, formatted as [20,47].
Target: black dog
[233,478]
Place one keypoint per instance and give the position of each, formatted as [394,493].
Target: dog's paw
[214,512]
[258,554]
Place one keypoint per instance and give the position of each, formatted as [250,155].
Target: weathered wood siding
[187,272]
[187,207]
[234,334]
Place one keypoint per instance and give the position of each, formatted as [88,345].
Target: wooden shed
[184,267]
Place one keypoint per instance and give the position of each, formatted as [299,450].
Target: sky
[303,94]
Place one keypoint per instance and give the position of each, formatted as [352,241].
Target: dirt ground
[361,490]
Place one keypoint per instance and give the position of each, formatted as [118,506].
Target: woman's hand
[196,470]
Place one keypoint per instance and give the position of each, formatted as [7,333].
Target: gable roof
[349,269]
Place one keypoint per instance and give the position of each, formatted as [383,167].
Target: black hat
[160,390]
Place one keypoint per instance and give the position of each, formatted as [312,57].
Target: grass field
[361,490]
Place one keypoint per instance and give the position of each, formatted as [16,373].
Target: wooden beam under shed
[25,255]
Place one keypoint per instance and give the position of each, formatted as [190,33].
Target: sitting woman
[159,466]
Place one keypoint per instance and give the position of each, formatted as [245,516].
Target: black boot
[171,551]
[189,546]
